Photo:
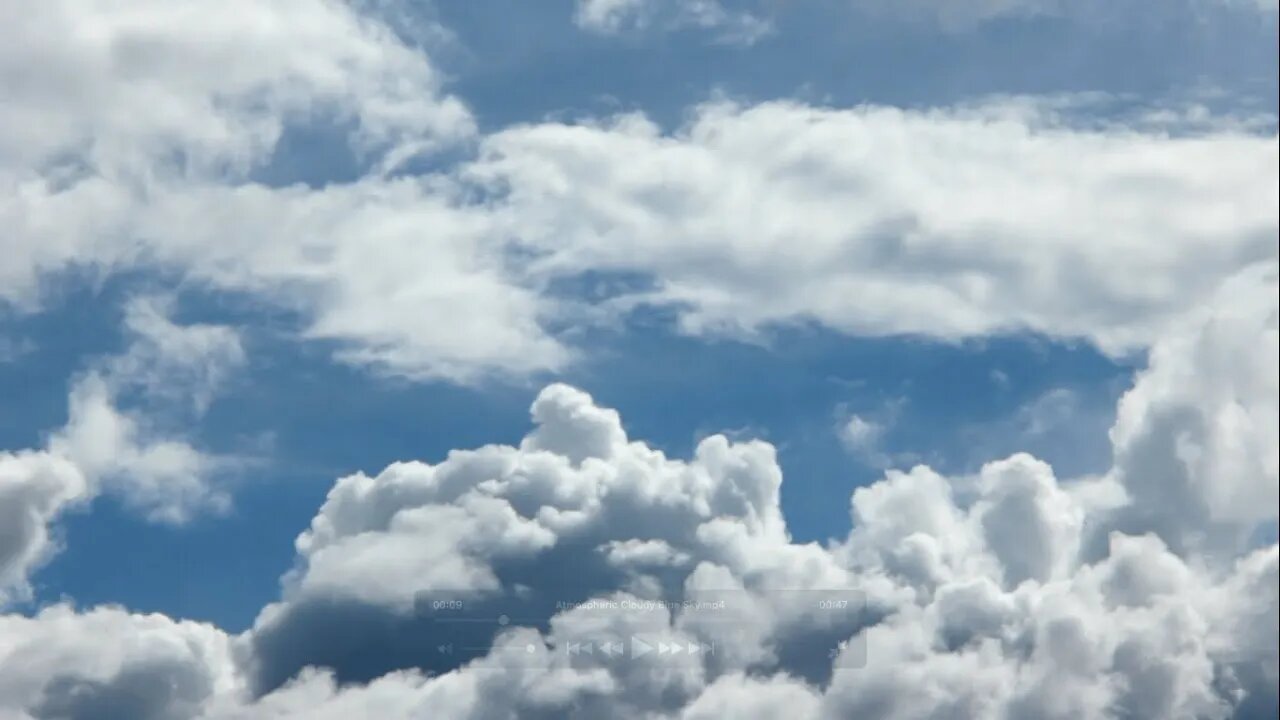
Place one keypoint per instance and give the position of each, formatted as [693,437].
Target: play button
[639,647]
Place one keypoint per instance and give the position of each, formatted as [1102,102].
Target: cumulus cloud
[1196,437]
[105,662]
[118,445]
[975,596]
[34,488]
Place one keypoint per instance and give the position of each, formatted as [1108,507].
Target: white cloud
[180,364]
[611,17]
[860,434]
[108,663]
[877,221]
[607,15]
[34,488]
[167,365]
[863,438]
[132,90]
[403,276]
[1196,438]
[741,696]
[125,150]
[979,601]
[106,447]
[135,130]
[406,276]
[164,478]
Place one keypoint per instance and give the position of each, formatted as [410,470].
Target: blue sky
[252,253]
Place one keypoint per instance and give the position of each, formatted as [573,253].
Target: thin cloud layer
[979,596]
[617,16]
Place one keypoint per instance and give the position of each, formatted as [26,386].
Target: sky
[372,358]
